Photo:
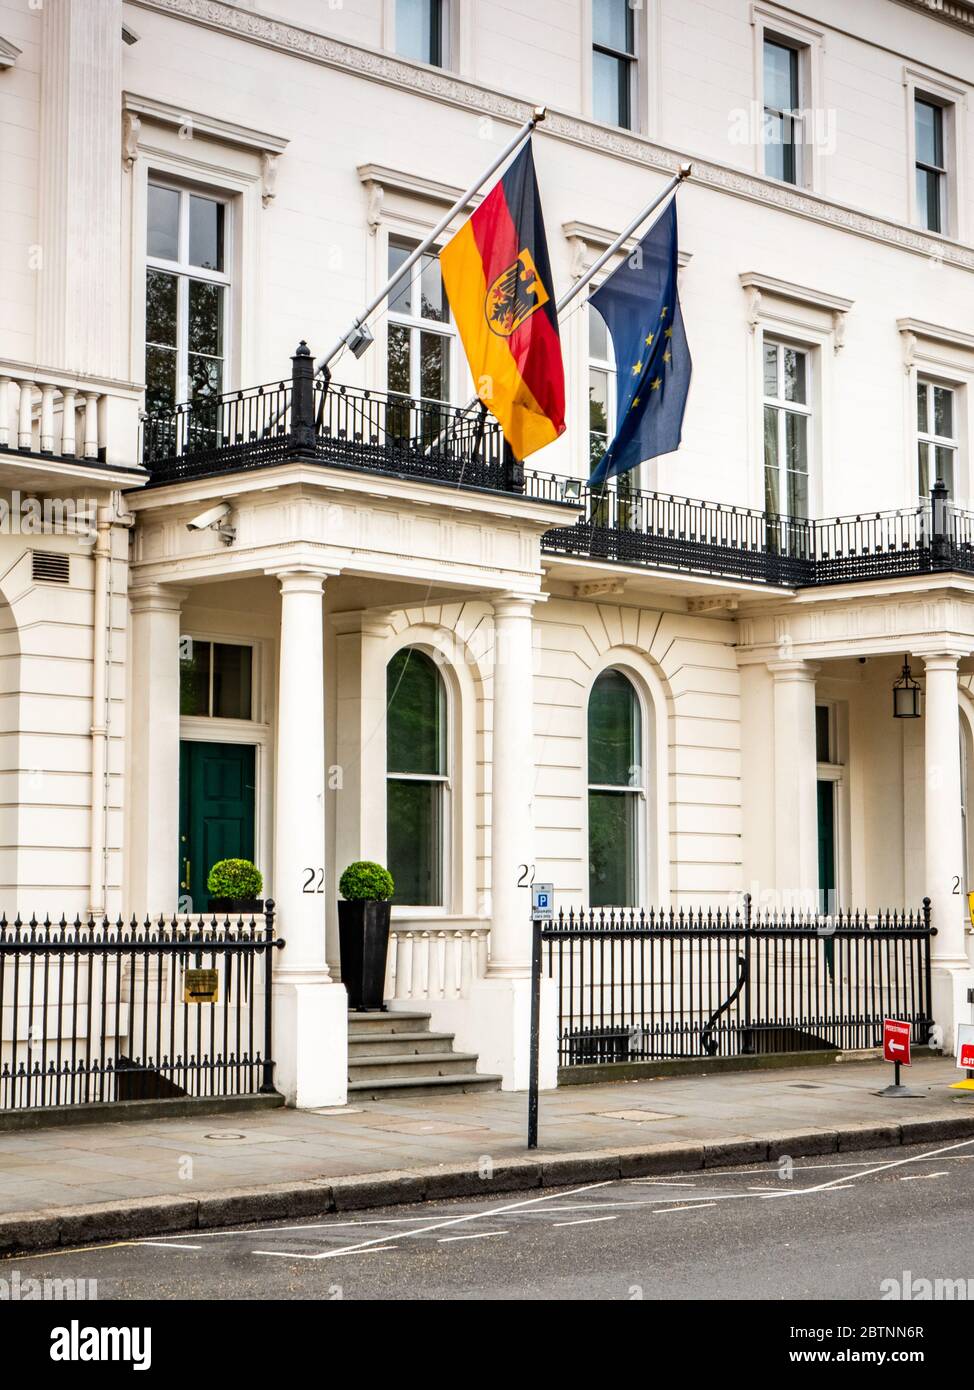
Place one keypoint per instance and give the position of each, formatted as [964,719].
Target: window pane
[797,494]
[399,358]
[613,732]
[194,676]
[414,722]
[612,849]
[232,681]
[780,76]
[206,233]
[612,24]
[778,163]
[771,370]
[823,740]
[943,412]
[598,401]
[414,30]
[160,378]
[205,378]
[922,417]
[945,468]
[414,842]
[796,442]
[160,308]
[206,318]
[924,471]
[770,437]
[930,133]
[928,199]
[599,345]
[434,366]
[433,301]
[401,301]
[162,233]
[796,364]
[607,88]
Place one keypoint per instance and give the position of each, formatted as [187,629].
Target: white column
[944,857]
[100,622]
[154,744]
[69,407]
[795,794]
[311,1011]
[501,1003]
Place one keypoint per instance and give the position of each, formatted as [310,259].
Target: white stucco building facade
[192,188]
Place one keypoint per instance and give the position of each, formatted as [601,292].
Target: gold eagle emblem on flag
[515,295]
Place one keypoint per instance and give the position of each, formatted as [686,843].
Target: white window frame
[783,407]
[834,771]
[417,325]
[919,85]
[645,68]
[256,659]
[605,366]
[935,441]
[450,25]
[779,27]
[940,170]
[638,789]
[183,272]
[795,112]
[445,780]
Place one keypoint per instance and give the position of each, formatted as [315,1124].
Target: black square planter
[363,936]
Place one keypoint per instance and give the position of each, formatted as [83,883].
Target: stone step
[396,1087]
[406,1065]
[392,1021]
[382,1044]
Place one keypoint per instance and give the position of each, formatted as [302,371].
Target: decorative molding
[959,12]
[585,239]
[136,109]
[756,285]
[599,588]
[712,605]
[9,53]
[934,333]
[450,90]
[378,180]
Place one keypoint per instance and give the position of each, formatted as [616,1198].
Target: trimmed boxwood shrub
[235,878]
[364,881]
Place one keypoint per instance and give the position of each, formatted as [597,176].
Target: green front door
[826,846]
[216,812]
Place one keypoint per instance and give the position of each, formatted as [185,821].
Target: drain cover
[804,1086]
[225,1136]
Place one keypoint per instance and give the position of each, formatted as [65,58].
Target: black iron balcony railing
[413,438]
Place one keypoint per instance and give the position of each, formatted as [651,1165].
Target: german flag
[498,281]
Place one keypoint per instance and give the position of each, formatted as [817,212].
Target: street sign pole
[542,899]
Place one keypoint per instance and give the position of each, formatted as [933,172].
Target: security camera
[215,520]
[209,518]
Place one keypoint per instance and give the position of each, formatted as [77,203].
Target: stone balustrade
[427,962]
[63,416]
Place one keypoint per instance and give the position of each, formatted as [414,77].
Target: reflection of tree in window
[614,776]
[416,777]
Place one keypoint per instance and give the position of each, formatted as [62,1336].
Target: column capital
[302,579]
[940,661]
[515,605]
[794,669]
[157,598]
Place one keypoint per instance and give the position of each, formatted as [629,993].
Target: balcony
[56,426]
[346,427]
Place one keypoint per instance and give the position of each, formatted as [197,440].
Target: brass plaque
[201,986]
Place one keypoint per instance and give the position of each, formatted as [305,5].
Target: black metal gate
[96,1011]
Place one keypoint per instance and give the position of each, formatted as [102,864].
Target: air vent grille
[50,567]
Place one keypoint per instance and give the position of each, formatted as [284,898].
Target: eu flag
[641,306]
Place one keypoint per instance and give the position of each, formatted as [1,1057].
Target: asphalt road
[833,1228]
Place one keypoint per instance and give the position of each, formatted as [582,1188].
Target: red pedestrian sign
[966,1058]
[896,1041]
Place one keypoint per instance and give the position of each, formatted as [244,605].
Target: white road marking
[169,1245]
[585,1221]
[475,1235]
[439,1225]
[690,1206]
[868,1172]
[922,1177]
[355,1250]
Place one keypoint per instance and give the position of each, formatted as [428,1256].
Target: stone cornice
[9,53]
[447,89]
[959,12]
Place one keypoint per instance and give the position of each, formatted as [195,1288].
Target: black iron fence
[100,1010]
[640,986]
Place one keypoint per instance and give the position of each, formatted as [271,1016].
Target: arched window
[614,787]
[416,778]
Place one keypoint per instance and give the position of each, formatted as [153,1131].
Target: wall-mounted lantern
[906,695]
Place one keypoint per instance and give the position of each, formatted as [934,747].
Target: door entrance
[826,846]
[216,811]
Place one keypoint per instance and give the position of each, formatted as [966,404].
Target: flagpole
[623,237]
[538,116]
